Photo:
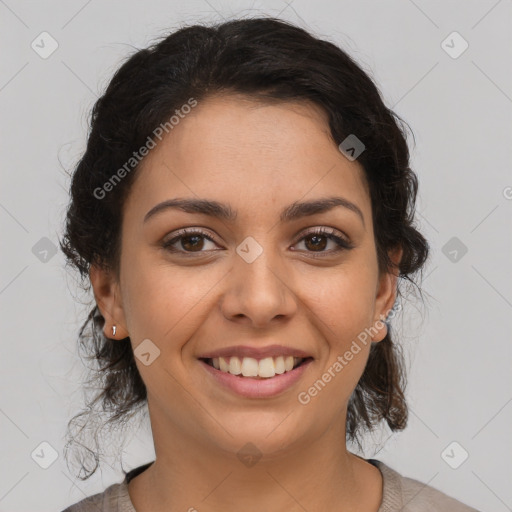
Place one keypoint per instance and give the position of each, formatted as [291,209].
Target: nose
[258,293]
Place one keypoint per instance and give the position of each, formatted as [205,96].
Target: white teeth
[266,367]
[279,363]
[224,365]
[251,367]
[235,366]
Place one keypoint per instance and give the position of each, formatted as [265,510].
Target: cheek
[344,352]
[342,306]
[164,302]
[343,302]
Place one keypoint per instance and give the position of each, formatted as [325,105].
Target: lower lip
[258,388]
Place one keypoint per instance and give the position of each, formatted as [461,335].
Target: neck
[315,475]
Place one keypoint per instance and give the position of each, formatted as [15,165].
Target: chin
[269,436]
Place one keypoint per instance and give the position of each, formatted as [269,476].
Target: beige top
[399,494]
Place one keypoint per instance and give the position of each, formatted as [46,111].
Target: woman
[244,213]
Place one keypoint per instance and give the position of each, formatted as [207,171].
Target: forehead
[245,151]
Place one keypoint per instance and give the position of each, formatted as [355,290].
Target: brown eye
[317,241]
[192,241]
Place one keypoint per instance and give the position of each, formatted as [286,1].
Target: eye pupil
[315,243]
[194,245]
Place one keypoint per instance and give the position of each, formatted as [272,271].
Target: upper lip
[255,352]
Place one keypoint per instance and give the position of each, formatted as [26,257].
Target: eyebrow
[224,212]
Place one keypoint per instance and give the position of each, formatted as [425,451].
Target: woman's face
[255,279]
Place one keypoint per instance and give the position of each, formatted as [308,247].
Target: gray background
[458,346]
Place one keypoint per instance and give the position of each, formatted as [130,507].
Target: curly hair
[270,60]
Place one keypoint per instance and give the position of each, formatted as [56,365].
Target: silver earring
[113,330]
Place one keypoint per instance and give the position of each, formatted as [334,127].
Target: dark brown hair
[270,60]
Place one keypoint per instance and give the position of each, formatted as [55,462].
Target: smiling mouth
[249,367]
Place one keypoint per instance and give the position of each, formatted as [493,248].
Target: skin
[258,159]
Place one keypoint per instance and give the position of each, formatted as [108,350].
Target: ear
[386,296]
[108,299]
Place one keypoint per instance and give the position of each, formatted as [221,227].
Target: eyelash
[327,232]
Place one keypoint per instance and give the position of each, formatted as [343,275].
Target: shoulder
[113,499]
[410,495]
